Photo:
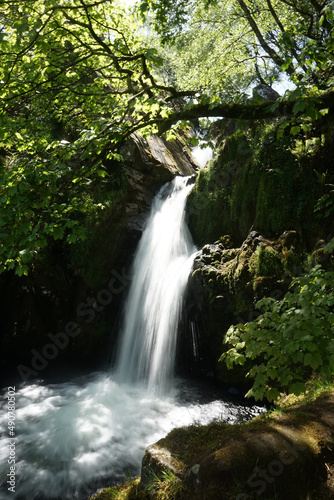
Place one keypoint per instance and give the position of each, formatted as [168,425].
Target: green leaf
[272,394]
[297,388]
[25,256]
[308,359]
[143,7]
[80,232]
[272,108]
[72,238]
[101,173]
[57,233]
[295,130]
[329,247]
[21,26]
[21,270]
[298,107]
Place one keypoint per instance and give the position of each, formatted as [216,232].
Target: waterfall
[160,272]
[77,435]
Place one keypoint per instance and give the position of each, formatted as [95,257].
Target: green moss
[266,262]
[293,261]
[261,182]
[127,491]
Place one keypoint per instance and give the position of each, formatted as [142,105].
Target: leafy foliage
[325,205]
[82,62]
[78,77]
[43,200]
[75,80]
[256,41]
[291,337]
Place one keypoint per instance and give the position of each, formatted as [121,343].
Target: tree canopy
[263,37]
[88,66]
[78,77]
[222,49]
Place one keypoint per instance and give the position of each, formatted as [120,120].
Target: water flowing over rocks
[161,268]
[76,434]
[88,287]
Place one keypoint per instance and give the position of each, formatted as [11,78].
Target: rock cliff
[224,287]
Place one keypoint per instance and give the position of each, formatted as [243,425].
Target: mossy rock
[226,285]
[270,458]
[261,181]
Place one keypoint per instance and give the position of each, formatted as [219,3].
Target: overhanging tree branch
[268,109]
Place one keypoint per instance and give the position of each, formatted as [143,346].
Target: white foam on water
[79,434]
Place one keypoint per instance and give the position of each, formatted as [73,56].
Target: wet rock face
[224,287]
[148,164]
[158,157]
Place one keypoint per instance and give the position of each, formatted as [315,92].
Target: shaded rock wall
[259,182]
[257,188]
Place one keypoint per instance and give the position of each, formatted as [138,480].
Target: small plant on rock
[165,486]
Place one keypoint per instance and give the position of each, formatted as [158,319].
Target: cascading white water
[74,436]
[202,154]
[160,273]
